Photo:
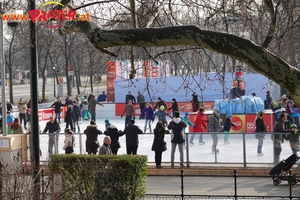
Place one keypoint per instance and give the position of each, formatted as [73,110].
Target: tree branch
[272,26]
[234,46]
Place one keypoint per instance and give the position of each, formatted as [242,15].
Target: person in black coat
[132,139]
[260,132]
[195,102]
[57,105]
[280,128]
[114,135]
[158,145]
[92,143]
[76,116]
[69,118]
[177,126]
[174,106]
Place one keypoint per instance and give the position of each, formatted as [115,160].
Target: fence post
[244,150]
[182,187]
[235,183]
[56,137]
[290,184]
[187,150]
[80,143]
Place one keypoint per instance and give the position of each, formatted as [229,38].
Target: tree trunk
[11,96]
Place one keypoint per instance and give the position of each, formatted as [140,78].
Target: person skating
[147,114]
[278,136]
[57,106]
[215,128]
[160,103]
[161,115]
[129,111]
[174,106]
[141,100]
[227,126]
[199,123]
[260,132]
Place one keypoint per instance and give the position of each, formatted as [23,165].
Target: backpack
[275,105]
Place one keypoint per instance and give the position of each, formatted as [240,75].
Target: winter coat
[199,122]
[129,97]
[280,127]
[140,98]
[148,112]
[289,106]
[104,149]
[158,141]
[17,128]
[296,117]
[76,113]
[187,121]
[161,103]
[92,105]
[57,105]
[260,129]
[177,126]
[293,137]
[214,124]
[132,138]
[22,108]
[69,141]
[114,135]
[68,116]
[161,115]
[84,105]
[52,127]
[129,110]
[91,142]
[227,124]
[174,106]
[9,107]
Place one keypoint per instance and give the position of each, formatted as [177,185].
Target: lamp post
[54,70]
[2,73]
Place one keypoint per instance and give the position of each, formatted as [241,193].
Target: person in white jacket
[69,142]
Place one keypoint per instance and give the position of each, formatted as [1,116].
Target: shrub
[100,177]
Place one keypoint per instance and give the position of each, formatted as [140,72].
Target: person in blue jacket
[296,117]
[147,114]
[227,127]
[186,119]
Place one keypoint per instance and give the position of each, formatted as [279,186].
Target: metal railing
[242,149]
[237,187]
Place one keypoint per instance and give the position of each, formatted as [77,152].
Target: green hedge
[104,177]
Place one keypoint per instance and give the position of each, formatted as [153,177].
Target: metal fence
[231,187]
[242,149]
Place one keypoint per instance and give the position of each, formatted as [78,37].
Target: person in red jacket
[199,123]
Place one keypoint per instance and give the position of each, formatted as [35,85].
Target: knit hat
[161,107]
[106,121]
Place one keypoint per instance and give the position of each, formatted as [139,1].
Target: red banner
[45,114]
[110,80]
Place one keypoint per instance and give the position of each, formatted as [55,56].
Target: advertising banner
[110,80]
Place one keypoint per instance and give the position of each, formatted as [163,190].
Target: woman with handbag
[159,145]
[92,144]
[69,142]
